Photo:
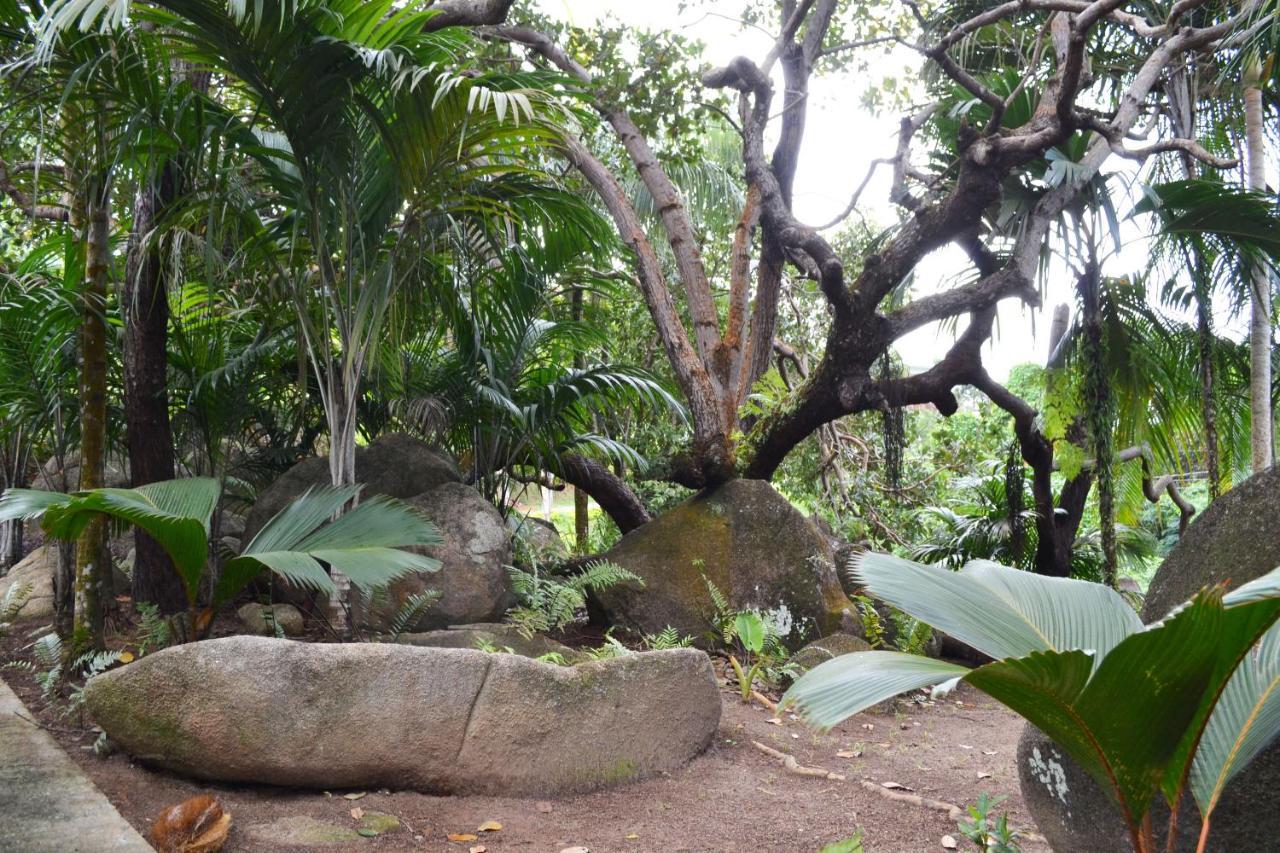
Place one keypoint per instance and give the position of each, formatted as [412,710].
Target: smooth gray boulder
[36,570]
[824,649]
[325,716]
[473,580]
[752,544]
[495,637]
[537,540]
[263,619]
[1234,541]
[396,465]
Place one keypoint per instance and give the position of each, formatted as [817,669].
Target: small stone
[262,619]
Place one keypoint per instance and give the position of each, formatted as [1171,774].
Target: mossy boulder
[748,541]
[396,465]
[358,715]
[1233,541]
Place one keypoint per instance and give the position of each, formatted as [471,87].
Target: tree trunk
[91,544]
[146,403]
[1260,437]
[1208,408]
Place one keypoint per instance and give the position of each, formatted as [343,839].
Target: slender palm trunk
[91,545]
[1260,438]
[146,400]
[1208,409]
[1099,407]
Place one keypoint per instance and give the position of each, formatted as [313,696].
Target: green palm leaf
[1245,720]
[363,543]
[1000,611]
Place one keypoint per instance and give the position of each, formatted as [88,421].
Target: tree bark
[91,544]
[609,491]
[145,306]
[1260,431]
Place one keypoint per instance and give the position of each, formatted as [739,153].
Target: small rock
[261,619]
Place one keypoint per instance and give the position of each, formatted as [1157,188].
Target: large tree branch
[676,223]
[467,13]
[613,495]
[27,204]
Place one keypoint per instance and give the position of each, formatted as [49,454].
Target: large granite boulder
[1235,540]
[822,650]
[473,580]
[747,540]
[357,715]
[397,465]
[493,637]
[36,570]
[537,541]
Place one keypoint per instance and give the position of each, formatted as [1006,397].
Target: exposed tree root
[768,703]
[793,766]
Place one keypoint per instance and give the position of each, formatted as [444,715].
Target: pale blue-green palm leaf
[1245,720]
[851,683]
[1000,611]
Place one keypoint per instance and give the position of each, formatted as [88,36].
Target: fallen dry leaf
[894,786]
[774,721]
[478,848]
[868,726]
[631,836]
[355,795]
[489,826]
[575,850]
[990,752]
[357,813]
[462,836]
[543,807]
[964,746]
[849,753]
[126,657]
[984,775]
[949,842]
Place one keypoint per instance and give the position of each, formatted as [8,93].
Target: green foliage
[1137,706]
[15,597]
[852,844]
[155,632]
[297,543]
[988,833]
[55,669]
[411,612]
[909,634]
[549,602]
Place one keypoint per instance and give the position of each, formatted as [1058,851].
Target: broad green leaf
[1068,614]
[291,525]
[750,630]
[1240,629]
[372,567]
[175,513]
[29,503]
[1003,612]
[377,522]
[301,570]
[1245,720]
[840,688]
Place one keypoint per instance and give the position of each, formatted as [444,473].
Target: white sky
[841,140]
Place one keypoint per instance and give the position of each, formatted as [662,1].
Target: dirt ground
[733,798]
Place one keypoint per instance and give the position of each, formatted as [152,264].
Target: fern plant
[53,669]
[15,598]
[549,603]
